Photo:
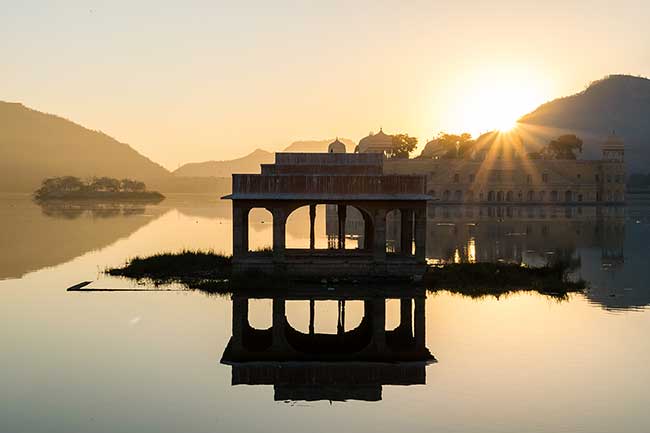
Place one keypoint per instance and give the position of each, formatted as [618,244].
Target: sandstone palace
[500,170]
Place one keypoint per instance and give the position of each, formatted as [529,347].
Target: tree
[403,145]
[449,146]
[105,184]
[130,185]
[563,147]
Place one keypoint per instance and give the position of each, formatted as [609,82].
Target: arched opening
[400,231]
[554,196]
[260,313]
[500,196]
[393,225]
[530,195]
[260,230]
[458,195]
[491,196]
[347,227]
[445,195]
[568,196]
[324,317]
[298,227]
[542,195]
[509,196]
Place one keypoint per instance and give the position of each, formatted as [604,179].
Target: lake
[149,359]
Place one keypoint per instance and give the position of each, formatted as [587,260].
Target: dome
[336,147]
[376,143]
[614,142]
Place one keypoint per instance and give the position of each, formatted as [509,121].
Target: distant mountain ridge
[35,145]
[246,164]
[619,103]
[251,162]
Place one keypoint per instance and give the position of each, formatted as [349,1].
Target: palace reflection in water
[352,364]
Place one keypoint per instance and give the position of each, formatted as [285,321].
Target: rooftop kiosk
[341,179]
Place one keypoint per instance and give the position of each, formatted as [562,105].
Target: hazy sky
[190,81]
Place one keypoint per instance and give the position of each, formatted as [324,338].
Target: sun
[494,99]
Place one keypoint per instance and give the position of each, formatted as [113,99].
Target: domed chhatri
[376,143]
[336,146]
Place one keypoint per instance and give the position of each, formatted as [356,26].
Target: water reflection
[608,243]
[34,237]
[351,364]
[91,209]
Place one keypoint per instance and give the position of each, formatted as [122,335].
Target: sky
[207,80]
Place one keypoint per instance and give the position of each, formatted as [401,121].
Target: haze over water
[149,361]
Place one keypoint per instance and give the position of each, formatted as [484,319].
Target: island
[71,188]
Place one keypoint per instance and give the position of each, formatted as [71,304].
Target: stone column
[239,321]
[420,234]
[312,221]
[378,321]
[239,229]
[279,233]
[406,316]
[420,323]
[278,326]
[340,322]
[342,210]
[368,232]
[379,237]
[312,313]
[406,238]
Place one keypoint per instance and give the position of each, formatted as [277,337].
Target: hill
[251,162]
[246,164]
[317,145]
[35,145]
[619,103]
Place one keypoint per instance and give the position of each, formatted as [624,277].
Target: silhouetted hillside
[317,145]
[35,145]
[247,164]
[618,103]
[251,162]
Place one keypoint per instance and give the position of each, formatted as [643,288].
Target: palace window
[471,178]
[456,178]
[529,179]
[545,177]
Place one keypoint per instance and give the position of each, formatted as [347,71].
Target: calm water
[149,361]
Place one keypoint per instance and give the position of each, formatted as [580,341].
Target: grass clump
[201,270]
[481,279]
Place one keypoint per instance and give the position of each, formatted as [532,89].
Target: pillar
[312,312]
[279,233]
[239,320]
[341,219]
[239,229]
[378,321]
[312,221]
[406,316]
[379,237]
[368,231]
[406,234]
[340,323]
[279,321]
[420,323]
[420,234]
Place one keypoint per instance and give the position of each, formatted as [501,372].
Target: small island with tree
[96,188]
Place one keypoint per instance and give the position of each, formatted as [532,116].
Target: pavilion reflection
[351,364]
